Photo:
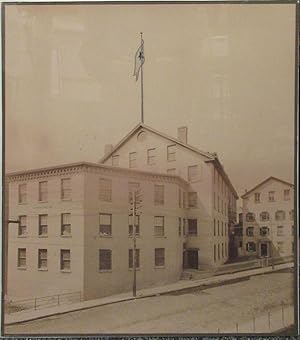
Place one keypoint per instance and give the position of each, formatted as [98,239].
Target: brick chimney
[107,149]
[182,134]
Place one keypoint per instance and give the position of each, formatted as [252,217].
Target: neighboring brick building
[211,201]
[268,219]
[74,233]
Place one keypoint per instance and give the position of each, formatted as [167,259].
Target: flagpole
[142,84]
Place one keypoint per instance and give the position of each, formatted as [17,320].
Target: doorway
[264,250]
[192,259]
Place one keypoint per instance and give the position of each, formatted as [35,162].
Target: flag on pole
[139,60]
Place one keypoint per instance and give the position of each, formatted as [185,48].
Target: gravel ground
[197,311]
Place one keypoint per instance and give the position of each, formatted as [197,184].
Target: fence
[269,322]
[42,302]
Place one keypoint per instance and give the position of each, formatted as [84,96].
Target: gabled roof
[145,127]
[265,181]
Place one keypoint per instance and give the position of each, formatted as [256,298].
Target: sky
[224,71]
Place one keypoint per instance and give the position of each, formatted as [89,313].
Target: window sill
[105,236]
[66,236]
[22,236]
[131,269]
[66,271]
[171,160]
[193,235]
[66,199]
[105,271]
[43,236]
[159,267]
[22,268]
[43,201]
[131,236]
[160,236]
[42,269]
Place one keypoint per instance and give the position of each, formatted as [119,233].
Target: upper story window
[264,216]
[192,172]
[179,226]
[250,217]
[280,215]
[115,160]
[250,231]
[132,159]
[22,257]
[257,197]
[22,230]
[137,225]
[66,224]
[42,259]
[23,193]
[66,188]
[171,153]
[171,171]
[192,227]
[43,191]
[271,196]
[159,226]
[105,189]
[43,225]
[193,197]
[65,259]
[286,194]
[264,231]
[105,259]
[105,225]
[159,193]
[151,156]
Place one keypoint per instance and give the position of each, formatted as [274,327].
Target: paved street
[195,311]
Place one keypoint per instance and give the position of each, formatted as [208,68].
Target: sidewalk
[28,315]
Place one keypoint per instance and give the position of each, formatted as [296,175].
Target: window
[184,224]
[115,160]
[105,189]
[218,251]
[280,215]
[280,247]
[137,225]
[159,191]
[286,194]
[225,224]
[105,259]
[250,231]
[264,216]
[23,193]
[22,230]
[292,215]
[215,253]
[179,226]
[133,188]
[183,199]
[43,191]
[159,228]
[280,230]
[251,247]
[132,159]
[159,257]
[42,259]
[137,258]
[171,171]
[257,197]
[105,225]
[250,217]
[218,228]
[264,231]
[271,196]
[151,156]
[192,172]
[214,200]
[171,153]
[65,259]
[192,227]
[222,250]
[66,224]
[22,257]
[214,227]
[43,225]
[193,199]
[222,228]
[218,204]
[66,188]
[179,198]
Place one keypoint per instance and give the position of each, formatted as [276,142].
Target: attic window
[141,136]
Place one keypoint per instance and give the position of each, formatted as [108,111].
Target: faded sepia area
[184,215]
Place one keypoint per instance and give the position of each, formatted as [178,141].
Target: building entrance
[264,251]
[192,259]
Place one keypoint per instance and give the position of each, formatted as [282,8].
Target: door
[264,250]
[192,259]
